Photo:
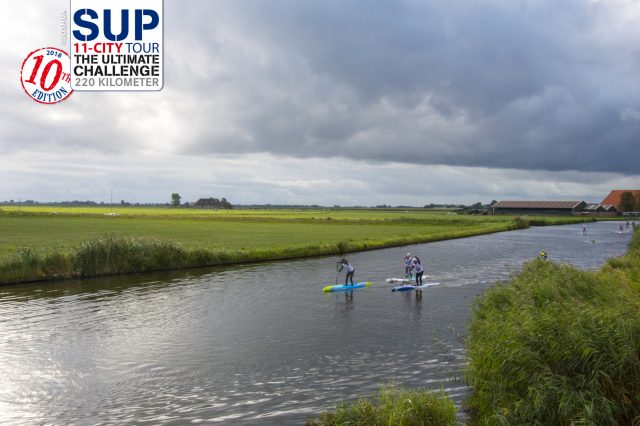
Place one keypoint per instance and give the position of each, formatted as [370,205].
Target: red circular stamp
[46,75]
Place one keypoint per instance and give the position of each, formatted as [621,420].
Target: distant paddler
[344,264]
[407,264]
[543,254]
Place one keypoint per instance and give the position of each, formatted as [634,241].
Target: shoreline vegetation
[43,245]
[552,345]
[556,345]
[393,406]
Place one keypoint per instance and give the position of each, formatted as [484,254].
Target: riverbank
[40,246]
[556,345]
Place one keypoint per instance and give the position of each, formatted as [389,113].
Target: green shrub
[393,406]
[520,222]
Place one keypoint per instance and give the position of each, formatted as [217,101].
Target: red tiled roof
[537,204]
[614,196]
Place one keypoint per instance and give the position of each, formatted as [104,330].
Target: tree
[175,199]
[225,204]
[627,201]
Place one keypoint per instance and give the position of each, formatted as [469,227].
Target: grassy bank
[556,345]
[114,255]
[38,245]
[393,406]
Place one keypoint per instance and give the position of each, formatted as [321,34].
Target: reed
[393,406]
[556,345]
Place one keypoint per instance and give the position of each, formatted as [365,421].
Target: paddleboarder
[407,264]
[419,270]
[350,271]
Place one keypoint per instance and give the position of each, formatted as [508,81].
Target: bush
[520,222]
[393,406]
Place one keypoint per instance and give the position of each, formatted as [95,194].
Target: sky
[341,102]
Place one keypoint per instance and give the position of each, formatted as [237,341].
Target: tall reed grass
[559,346]
[393,407]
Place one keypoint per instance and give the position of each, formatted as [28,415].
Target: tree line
[203,203]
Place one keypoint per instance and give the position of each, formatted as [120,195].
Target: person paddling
[419,270]
[350,271]
[543,254]
[407,265]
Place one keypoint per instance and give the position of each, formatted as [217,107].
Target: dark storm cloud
[515,84]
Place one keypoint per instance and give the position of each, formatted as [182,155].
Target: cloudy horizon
[285,102]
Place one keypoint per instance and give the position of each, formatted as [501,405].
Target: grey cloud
[500,84]
[496,84]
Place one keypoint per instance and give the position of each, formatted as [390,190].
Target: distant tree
[492,202]
[477,205]
[627,201]
[209,203]
[225,204]
[175,199]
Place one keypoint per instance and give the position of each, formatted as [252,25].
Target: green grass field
[250,234]
[39,229]
[320,213]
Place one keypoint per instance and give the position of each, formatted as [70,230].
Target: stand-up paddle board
[333,288]
[408,287]
[405,280]
[399,280]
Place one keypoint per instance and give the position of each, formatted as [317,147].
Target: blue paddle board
[408,287]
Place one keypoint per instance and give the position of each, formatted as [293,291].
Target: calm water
[255,344]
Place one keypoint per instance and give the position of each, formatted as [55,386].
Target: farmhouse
[539,207]
[615,198]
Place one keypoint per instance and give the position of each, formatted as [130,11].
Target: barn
[615,198]
[539,207]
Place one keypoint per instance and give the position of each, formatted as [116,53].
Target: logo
[45,75]
[116,45]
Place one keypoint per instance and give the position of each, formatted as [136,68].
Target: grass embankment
[37,245]
[556,345]
[392,406]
